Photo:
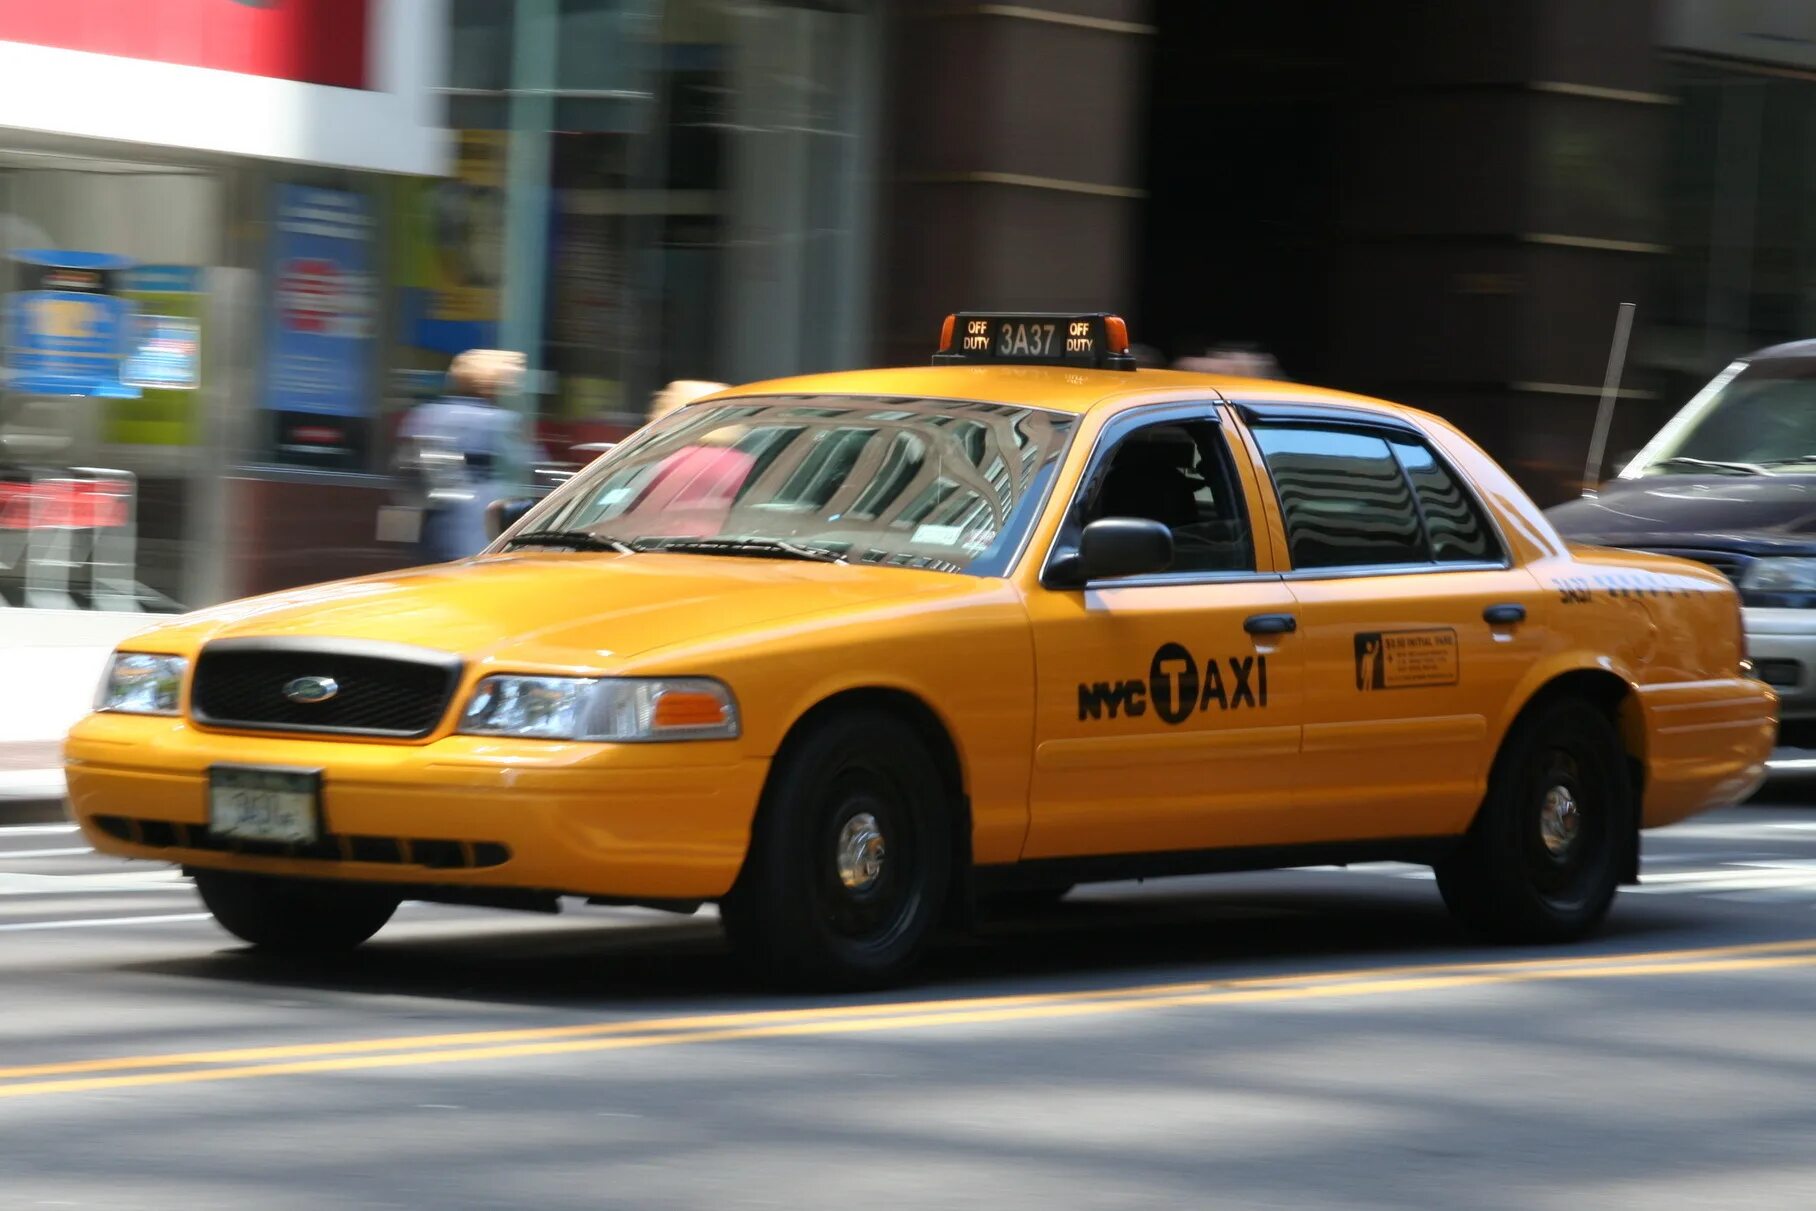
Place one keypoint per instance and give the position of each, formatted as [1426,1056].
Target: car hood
[1777,511]
[576,610]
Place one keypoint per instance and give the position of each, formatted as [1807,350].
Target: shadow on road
[1098,938]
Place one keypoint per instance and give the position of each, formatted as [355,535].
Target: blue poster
[321,346]
[67,328]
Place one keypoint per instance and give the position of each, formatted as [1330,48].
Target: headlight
[618,709]
[1781,574]
[140,684]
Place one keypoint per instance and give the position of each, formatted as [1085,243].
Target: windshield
[1754,418]
[941,484]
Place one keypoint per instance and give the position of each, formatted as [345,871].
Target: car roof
[1059,388]
[1803,348]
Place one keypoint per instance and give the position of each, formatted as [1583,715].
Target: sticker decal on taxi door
[1404,660]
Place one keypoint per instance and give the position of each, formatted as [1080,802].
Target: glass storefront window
[709,170]
[107,268]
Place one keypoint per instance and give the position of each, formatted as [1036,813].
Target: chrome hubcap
[861,852]
[1559,820]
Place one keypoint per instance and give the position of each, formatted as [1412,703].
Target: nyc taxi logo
[1176,686]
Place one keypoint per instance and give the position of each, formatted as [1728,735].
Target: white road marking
[1759,830]
[103,922]
[15,883]
[36,830]
[7,854]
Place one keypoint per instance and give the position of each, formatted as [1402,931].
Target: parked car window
[1755,418]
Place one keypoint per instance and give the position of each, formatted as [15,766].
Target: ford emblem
[311,689]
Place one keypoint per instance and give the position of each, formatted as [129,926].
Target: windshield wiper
[579,540]
[770,548]
[1680,460]
[1788,462]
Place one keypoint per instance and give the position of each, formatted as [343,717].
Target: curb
[33,811]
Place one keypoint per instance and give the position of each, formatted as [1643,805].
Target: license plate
[254,804]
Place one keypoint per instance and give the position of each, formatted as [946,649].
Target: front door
[1415,626]
[1168,705]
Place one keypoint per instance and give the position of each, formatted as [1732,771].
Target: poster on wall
[67,327]
[166,361]
[452,249]
[321,345]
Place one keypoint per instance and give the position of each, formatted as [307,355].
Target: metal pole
[536,41]
[1611,387]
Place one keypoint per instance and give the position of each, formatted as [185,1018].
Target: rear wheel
[295,916]
[1542,861]
[850,859]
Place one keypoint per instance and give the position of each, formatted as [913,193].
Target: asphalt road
[1300,1039]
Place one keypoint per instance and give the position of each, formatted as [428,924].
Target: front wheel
[1542,861]
[850,858]
[294,916]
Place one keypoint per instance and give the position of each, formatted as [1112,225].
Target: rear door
[1415,625]
[1168,705]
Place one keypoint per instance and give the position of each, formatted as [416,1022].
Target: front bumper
[652,821]
[1782,646]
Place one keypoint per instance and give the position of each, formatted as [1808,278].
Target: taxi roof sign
[1095,340]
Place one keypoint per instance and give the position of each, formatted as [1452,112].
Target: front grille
[1731,564]
[380,689]
[435,853]
[1779,674]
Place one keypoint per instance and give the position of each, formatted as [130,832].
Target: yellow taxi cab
[853,653]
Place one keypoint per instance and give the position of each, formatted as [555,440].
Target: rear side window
[1354,499]
[1459,533]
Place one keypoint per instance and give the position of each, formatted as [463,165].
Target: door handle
[1270,624]
[1504,615]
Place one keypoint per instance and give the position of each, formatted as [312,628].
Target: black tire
[294,916]
[863,785]
[1524,872]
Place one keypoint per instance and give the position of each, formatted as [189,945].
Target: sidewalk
[59,655]
[31,781]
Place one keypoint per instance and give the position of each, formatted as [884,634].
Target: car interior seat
[1151,478]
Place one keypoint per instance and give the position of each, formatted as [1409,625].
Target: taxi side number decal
[1404,660]
[1177,685]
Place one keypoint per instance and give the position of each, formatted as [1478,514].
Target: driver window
[1180,475]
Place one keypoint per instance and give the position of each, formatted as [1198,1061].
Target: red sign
[313,41]
[62,504]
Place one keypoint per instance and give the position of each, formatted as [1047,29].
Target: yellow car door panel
[1416,627]
[1168,705]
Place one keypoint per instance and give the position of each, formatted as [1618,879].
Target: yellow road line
[718,1021]
[927,1014]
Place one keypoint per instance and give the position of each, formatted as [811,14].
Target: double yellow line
[303,1059]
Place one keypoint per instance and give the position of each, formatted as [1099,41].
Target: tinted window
[1344,497]
[1180,475]
[1459,533]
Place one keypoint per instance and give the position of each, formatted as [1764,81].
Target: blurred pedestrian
[1147,357]
[1240,359]
[459,448]
[679,393]
[692,491]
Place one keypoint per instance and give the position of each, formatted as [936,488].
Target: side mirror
[1123,546]
[501,515]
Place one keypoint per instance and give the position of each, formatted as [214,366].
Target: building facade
[200,228]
